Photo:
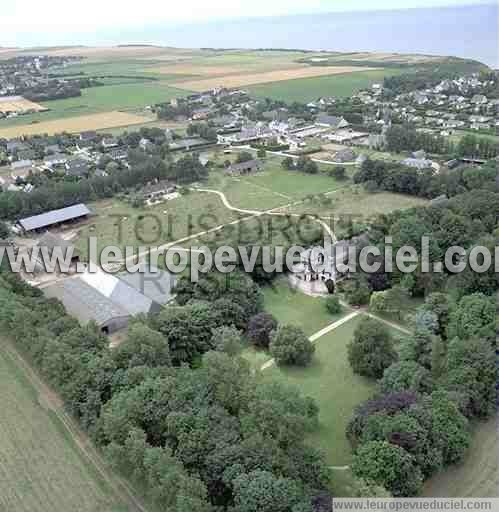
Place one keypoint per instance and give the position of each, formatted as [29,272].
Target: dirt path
[272,211]
[333,326]
[49,399]
[394,325]
[319,334]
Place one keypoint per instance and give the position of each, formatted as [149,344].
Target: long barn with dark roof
[54,218]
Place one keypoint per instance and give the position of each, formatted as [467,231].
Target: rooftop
[54,217]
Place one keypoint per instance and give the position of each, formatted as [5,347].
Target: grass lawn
[337,391]
[101,99]
[242,193]
[309,89]
[271,188]
[41,466]
[153,226]
[354,200]
[295,185]
[478,475]
[291,306]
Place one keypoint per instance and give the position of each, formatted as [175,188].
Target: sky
[25,23]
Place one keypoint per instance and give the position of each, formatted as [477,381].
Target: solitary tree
[333,305]
[371,351]
[260,327]
[290,345]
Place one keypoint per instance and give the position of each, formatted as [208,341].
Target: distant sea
[471,32]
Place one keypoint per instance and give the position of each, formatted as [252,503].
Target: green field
[153,226]
[290,306]
[117,68]
[271,188]
[332,384]
[132,96]
[354,200]
[41,468]
[478,475]
[309,89]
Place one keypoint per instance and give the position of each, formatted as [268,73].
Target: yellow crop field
[241,80]
[100,121]
[19,104]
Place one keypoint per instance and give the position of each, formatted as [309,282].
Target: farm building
[111,301]
[333,122]
[155,284]
[54,218]
[157,190]
[53,242]
[244,168]
[86,304]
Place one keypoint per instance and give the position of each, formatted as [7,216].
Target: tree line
[430,389]
[58,194]
[405,138]
[174,407]
[394,177]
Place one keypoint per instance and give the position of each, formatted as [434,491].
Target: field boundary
[268,77]
[89,453]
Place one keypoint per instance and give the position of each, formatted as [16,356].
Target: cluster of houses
[29,76]
[450,105]
[74,156]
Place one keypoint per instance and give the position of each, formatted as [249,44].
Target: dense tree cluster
[173,407]
[203,130]
[445,376]
[289,345]
[405,138]
[52,194]
[372,350]
[394,177]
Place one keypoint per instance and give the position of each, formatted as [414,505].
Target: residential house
[334,122]
[417,163]
[144,143]
[479,99]
[77,168]
[243,168]
[52,149]
[155,191]
[55,160]
[88,136]
[118,154]
[109,143]
[21,166]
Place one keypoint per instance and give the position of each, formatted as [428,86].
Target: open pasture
[19,104]
[243,80]
[117,223]
[42,467]
[307,89]
[75,124]
[330,381]
[354,200]
[131,97]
